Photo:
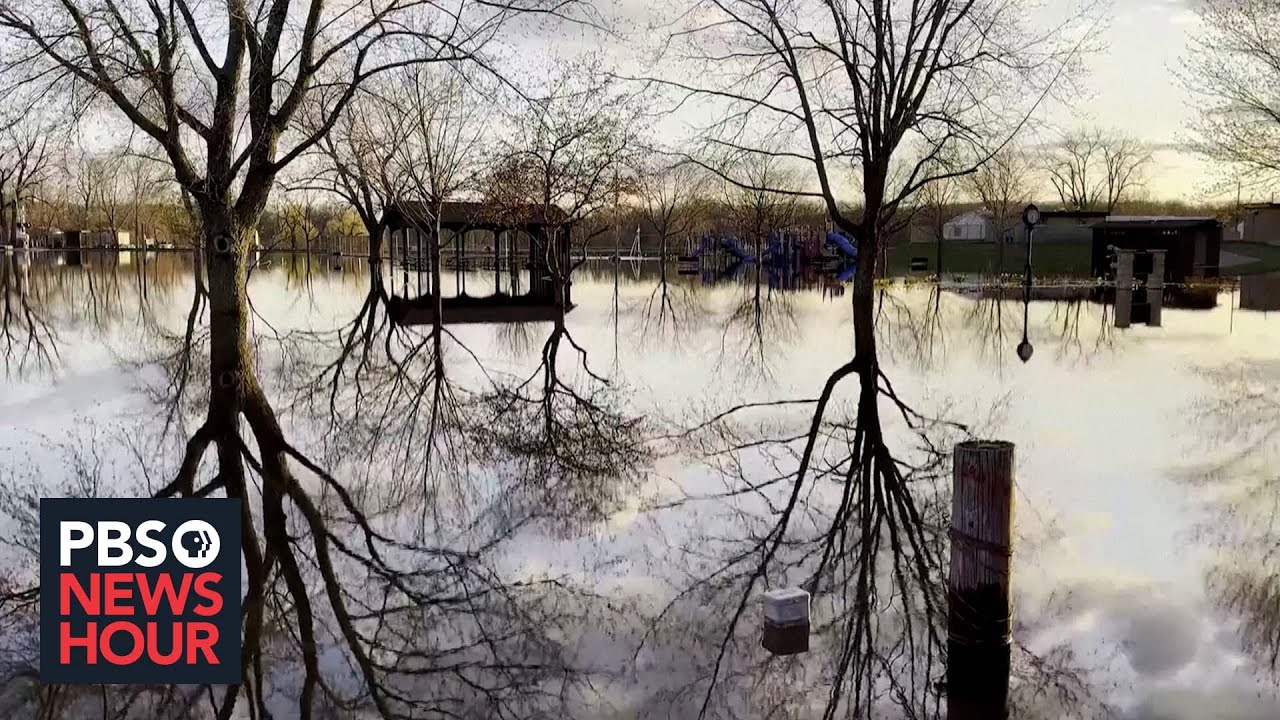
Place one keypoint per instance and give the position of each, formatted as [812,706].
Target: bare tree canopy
[1096,169]
[1233,65]
[761,195]
[28,146]
[573,155]
[219,88]
[1002,185]
[871,91]
[672,198]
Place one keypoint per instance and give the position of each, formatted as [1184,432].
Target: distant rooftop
[1164,222]
[459,215]
[1073,214]
[1159,218]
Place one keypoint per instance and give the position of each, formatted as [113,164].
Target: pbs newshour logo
[139,591]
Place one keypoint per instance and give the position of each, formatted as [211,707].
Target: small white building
[110,238]
[973,226]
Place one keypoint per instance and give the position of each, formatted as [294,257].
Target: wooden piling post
[979,623]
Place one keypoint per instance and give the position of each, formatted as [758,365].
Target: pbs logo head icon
[196,544]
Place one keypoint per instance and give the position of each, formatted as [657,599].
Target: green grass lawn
[1049,258]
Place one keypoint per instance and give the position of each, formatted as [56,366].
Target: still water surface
[1146,484]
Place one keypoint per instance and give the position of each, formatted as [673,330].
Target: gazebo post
[391,260]
[497,263]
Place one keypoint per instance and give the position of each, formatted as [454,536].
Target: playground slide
[703,246]
[731,244]
[842,243]
[728,243]
[847,273]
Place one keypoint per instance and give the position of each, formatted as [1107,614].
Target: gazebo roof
[464,215]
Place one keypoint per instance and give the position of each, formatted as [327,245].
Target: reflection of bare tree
[574,448]
[992,323]
[759,325]
[666,310]
[813,492]
[821,499]
[916,331]
[518,340]
[1066,317]
[27,338]
[1241,485]
[1077,329]
[40,301]
[1071,323]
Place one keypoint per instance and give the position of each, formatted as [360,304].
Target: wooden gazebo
[524,237]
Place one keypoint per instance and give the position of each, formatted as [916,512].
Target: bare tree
[27,148]
[673,203]
[296,230]
[145,188]
[935,205]
[356,158]
[672,199]
[110,194]
[218,89]
[859,94]
[572,157]
[1002,184]
[882,90]
[439,156]
[1231,66]
[1095,169]
[761,195]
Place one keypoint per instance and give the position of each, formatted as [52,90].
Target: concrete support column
[1155,286]
[1124,287]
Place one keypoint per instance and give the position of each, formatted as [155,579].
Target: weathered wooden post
[1124,287]
[980,611]
[1155,287]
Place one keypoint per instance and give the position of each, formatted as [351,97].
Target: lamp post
[1030,218]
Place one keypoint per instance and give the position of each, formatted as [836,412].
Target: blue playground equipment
[789,254]
[728,243]
[842,243]
[712,276]
[780,252]
[733,246]
[788,248]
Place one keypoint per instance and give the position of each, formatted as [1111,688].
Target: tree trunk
[3,214]
[226,250]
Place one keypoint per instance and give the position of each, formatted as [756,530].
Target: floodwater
[603,466]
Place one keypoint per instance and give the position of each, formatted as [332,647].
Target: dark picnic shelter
[1192,245]
[524,237]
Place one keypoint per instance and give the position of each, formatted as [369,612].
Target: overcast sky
[1134,89]
[1131,83]
[1131,87]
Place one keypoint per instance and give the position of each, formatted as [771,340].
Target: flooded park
[580,516]
[571,359]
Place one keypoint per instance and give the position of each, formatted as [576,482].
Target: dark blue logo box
[143,590]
